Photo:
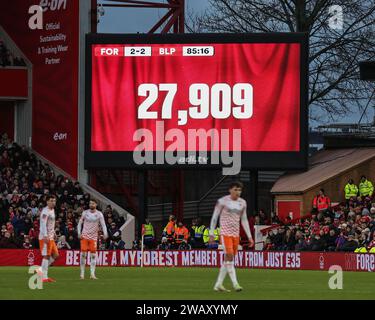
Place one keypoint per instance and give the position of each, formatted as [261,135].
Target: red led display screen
[165,94]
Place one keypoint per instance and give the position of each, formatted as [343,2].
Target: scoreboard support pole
[142,199]
[252,201]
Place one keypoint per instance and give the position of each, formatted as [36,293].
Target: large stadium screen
[196,100]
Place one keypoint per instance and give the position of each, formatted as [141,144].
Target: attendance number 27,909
[219,101]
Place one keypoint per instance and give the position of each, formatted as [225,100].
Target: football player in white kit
[47,242]
[90,220]
[231,209]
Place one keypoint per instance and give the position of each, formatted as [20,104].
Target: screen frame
[250,160]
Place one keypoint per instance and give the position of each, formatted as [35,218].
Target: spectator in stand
[136,245]
[26,243]
[274,218]
[199,230]
[257,220]
[341,237]
[164,245]
[4,205]
[321,202]
[330,240]
[181,234]
[63,244]
[278,239]
[317,243]
[206,238]
[288,221]
[3,230]
[73,241]
[170,229]
[192,232]
[113,231]
[101,242]
[33,234]
[149,235]
[267,246]
[350,244]
[184,246]
[271,235]
[8,241]
[289,240]
[366,189]
[4,57]
[263,218]
[300,241]
[117,243]
[351,191]
[371,245]
[77,190]
[363,237]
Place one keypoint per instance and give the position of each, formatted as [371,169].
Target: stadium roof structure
[174,19]
[323,165]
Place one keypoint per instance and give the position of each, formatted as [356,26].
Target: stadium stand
[25,182]
[329,169]
[347,226]
[8,59]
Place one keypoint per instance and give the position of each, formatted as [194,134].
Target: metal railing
[187,204]
[127,229]
[208,193]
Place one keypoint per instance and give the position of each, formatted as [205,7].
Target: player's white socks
[92,263]
[232,272]
[222,274]
[51,260]
[45,268]
[82,263]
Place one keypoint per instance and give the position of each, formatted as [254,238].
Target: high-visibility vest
[194,228]
[217,234]
[170,228]
[149,230]
[199,231]
[181,234]
[366,188]
[361,250]
[206,236]
[372,250]
[351,190]
[322,202]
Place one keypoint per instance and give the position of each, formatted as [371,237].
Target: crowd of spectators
[24,184]
[7,58]
[348,226]
[178,235]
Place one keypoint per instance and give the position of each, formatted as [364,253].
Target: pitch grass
[184,284]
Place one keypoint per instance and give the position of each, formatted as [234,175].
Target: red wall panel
[284,208]
[13,82]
